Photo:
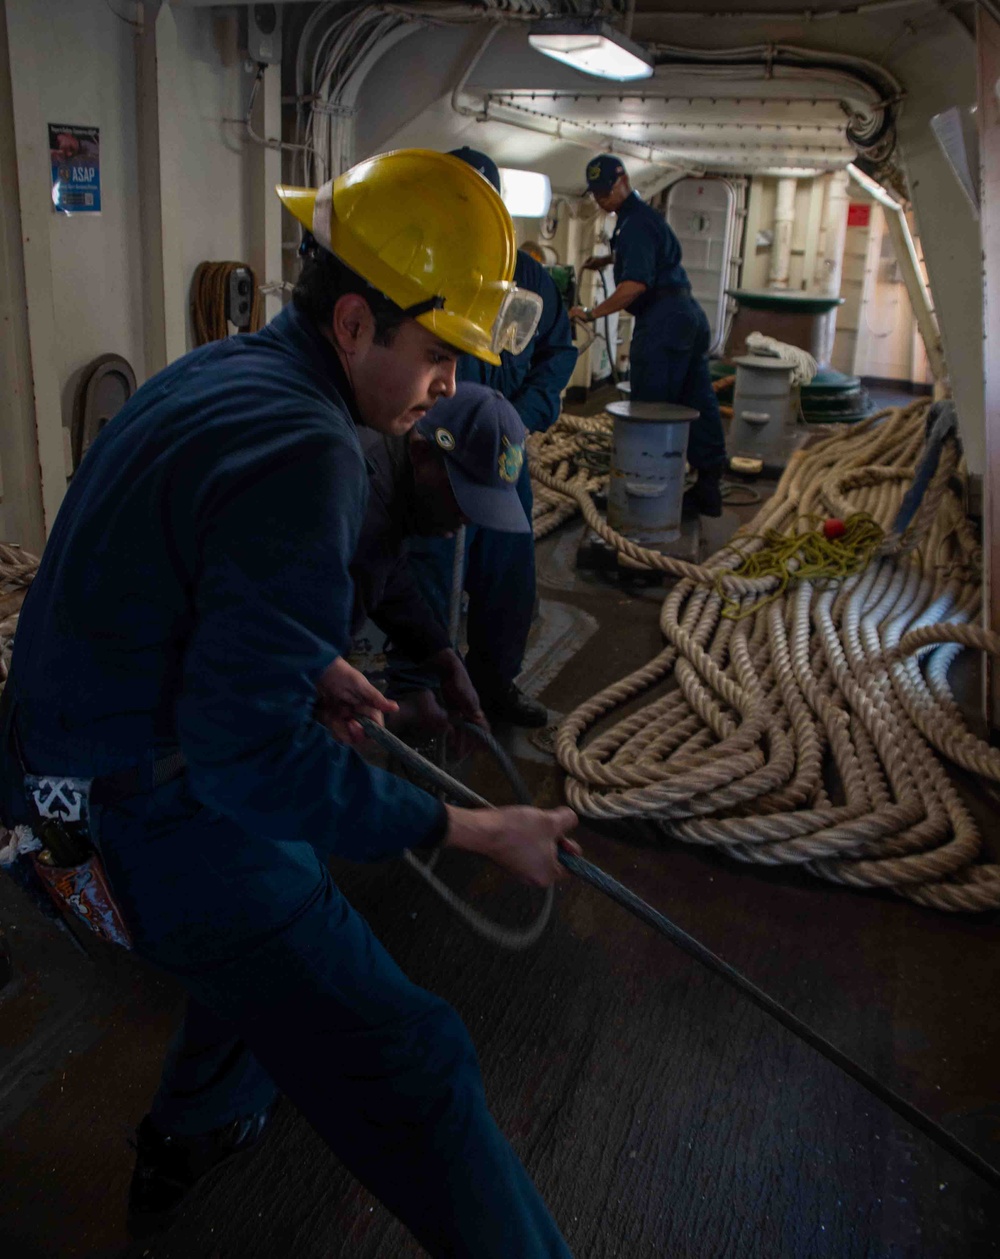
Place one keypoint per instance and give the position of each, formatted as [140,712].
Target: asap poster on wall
[76,168]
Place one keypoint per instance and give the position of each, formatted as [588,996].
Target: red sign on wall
[858,214]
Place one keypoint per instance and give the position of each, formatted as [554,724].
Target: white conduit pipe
[805,732]
[830,266]
[822,265]
[836,204]
[781,246]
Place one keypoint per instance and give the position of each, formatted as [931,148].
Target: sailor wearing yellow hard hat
[182,651]
[432,241]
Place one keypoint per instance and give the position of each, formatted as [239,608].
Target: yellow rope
[792,557]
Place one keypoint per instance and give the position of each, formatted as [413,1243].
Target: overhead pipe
[806,163]
[820,263]
[879,86]
[875,79]
[804,15]
[829,267]
[470,65]
[835,210]
[909,266]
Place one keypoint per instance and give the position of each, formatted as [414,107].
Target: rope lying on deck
[804,730]
[618,892]
[435,778]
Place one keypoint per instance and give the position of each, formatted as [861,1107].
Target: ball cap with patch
[603,172]
[482,439]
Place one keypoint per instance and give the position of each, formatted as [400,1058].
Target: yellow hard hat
[433,236]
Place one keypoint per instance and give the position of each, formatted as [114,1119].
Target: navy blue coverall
[500,567]
[194,589]
[384,587]
[671,338]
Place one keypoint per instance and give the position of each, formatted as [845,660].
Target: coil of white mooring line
[792,718]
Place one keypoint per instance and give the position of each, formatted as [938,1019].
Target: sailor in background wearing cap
[669,354]
[459,464]
[500,566]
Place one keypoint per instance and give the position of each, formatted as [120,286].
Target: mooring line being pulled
[618,892]
[418,768]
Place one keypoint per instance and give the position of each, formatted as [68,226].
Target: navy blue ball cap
[480,162]
[603,172]
[482,439]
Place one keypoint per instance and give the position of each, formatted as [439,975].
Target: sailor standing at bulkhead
[671,339]
[195,594]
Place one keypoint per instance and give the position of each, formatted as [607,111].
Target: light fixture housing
[527,194]
[592,46]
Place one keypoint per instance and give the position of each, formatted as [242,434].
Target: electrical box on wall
[260,33]
[239,297]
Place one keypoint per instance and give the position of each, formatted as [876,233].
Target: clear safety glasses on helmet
[516,321]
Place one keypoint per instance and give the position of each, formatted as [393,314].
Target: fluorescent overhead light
[527,194]
[594,47]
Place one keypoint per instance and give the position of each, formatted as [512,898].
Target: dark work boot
[704,498]
[167,1168]
[509,703]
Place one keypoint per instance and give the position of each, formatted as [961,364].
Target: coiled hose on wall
[208,301]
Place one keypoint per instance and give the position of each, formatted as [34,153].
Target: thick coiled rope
[565,455]
[17,572]
[805,731]
[805,365]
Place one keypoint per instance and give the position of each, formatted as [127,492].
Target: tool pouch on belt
[68,864]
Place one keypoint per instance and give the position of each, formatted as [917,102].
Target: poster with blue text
[76,168]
